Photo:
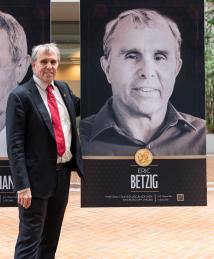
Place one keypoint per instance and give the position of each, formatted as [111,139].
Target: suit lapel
[37,99]
[66,98]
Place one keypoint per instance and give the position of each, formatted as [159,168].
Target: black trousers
[40,224]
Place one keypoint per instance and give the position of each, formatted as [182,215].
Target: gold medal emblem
[143,157]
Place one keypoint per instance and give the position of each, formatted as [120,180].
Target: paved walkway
[112,233]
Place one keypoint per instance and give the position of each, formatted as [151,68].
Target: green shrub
[209,64]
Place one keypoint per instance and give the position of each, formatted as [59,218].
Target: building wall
[71,74]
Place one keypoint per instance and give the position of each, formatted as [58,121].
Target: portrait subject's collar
[105,120]
[173,117]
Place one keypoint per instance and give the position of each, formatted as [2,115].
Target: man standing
[43,148]
[141,62]
[14,62]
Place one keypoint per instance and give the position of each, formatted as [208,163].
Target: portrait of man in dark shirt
[14,63]
[142,58]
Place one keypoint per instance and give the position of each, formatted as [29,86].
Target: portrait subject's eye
[132,56]
[160,56]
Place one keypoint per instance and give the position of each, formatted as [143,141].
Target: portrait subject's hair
[16,36]
[146,17]
[48,47]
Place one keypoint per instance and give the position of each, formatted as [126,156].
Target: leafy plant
[209,64]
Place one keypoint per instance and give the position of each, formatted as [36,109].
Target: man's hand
[24,198]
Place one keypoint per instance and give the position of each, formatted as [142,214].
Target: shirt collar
[105,120]
[41,84]
[173,117]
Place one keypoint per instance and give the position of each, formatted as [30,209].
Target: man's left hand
[24,198]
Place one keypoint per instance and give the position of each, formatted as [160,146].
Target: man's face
[45,67]
[142,67]
[7,74]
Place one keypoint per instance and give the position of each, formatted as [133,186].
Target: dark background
[189,92]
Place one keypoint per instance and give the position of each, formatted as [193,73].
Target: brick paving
[132,233]
[210,168]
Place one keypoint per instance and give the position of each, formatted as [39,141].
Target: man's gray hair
[140,16]
[16,36]
[47,47]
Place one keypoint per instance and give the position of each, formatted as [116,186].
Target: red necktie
[60,140]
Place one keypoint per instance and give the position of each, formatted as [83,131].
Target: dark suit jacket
[31,143]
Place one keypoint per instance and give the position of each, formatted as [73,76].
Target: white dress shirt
[63,113]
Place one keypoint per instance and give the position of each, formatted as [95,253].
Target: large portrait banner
[23,24]
[142,125]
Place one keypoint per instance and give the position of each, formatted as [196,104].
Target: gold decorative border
[132,157]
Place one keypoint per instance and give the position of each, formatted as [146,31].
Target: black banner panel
[142,125]
[7,195]
[166,182]
[23,24]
